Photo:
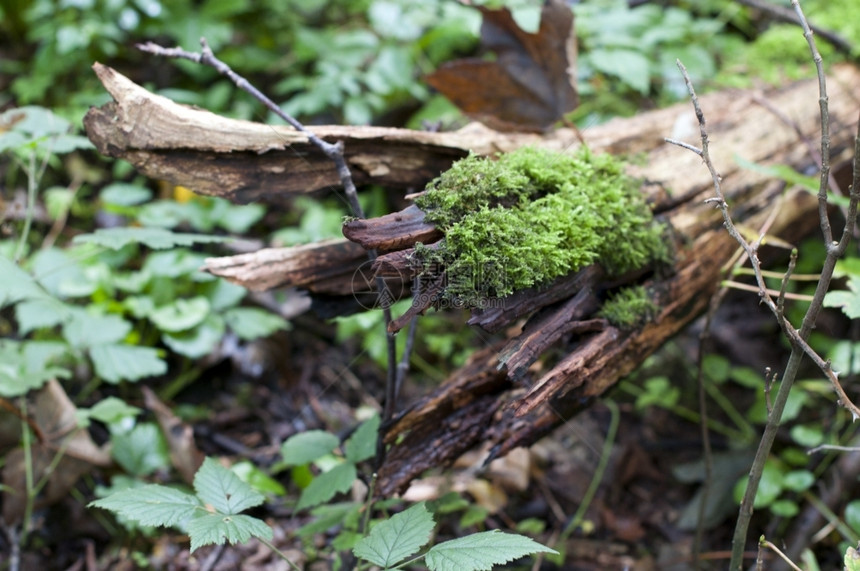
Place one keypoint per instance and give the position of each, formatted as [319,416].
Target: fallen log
[481,402]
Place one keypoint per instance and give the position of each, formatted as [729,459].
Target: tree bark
[481,403]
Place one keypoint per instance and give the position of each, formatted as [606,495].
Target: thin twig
[749,287]
[796,338]
[765,544]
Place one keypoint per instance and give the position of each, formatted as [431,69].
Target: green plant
[104,299]
[393,544]
[213,514]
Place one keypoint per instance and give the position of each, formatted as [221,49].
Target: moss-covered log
[480,403]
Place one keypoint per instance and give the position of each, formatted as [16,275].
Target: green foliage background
[126,302]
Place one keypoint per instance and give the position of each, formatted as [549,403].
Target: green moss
[534,215]
[629,307]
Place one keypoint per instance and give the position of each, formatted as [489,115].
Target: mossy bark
[481,404]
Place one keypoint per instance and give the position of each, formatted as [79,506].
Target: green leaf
[784,508]
[769,488]
[784,172]
[58,200]
[111,410]
[40,313]
[395,539]
[60,273]
[362,444]
[175,263]
[238,218]
[808,435]
[115,363]
[215,528]
[658,391]
[155,238]
[223,490]
[307,446]
[852,515]
[35,121]
[142,450]
[324,487]
[17,284]
[747,377]
[180,315]
[18,375]
[328,516]
[199,341]
[223,294]
[124,194]
[151,505]
[849,300]
[87,330]
[481,551]
[630,66]
[798,480]
[257,478]
[251,323]
[474,515]
[716,367]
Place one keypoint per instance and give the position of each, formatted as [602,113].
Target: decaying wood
[323,267]
[480,403]
[451,419]
[394,231]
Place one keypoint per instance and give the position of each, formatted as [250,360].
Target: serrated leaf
[180,315]
[362,444]
[396,538]
[223,294]
[151,505]
[480,551]
[87,330]
[115,363]
[175,263]
[630,66]
[17,284]
[124,194]
[849,300]
[60,273]
[250,323]
[216,528]
[142,450]
[111,409]
[307,446]
[327,516]
[39,313]
[324,487]
[155,238]
[199,341]
[239,218]
[223,490]
[24,366]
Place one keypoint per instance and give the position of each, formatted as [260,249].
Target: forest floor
[641,516]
